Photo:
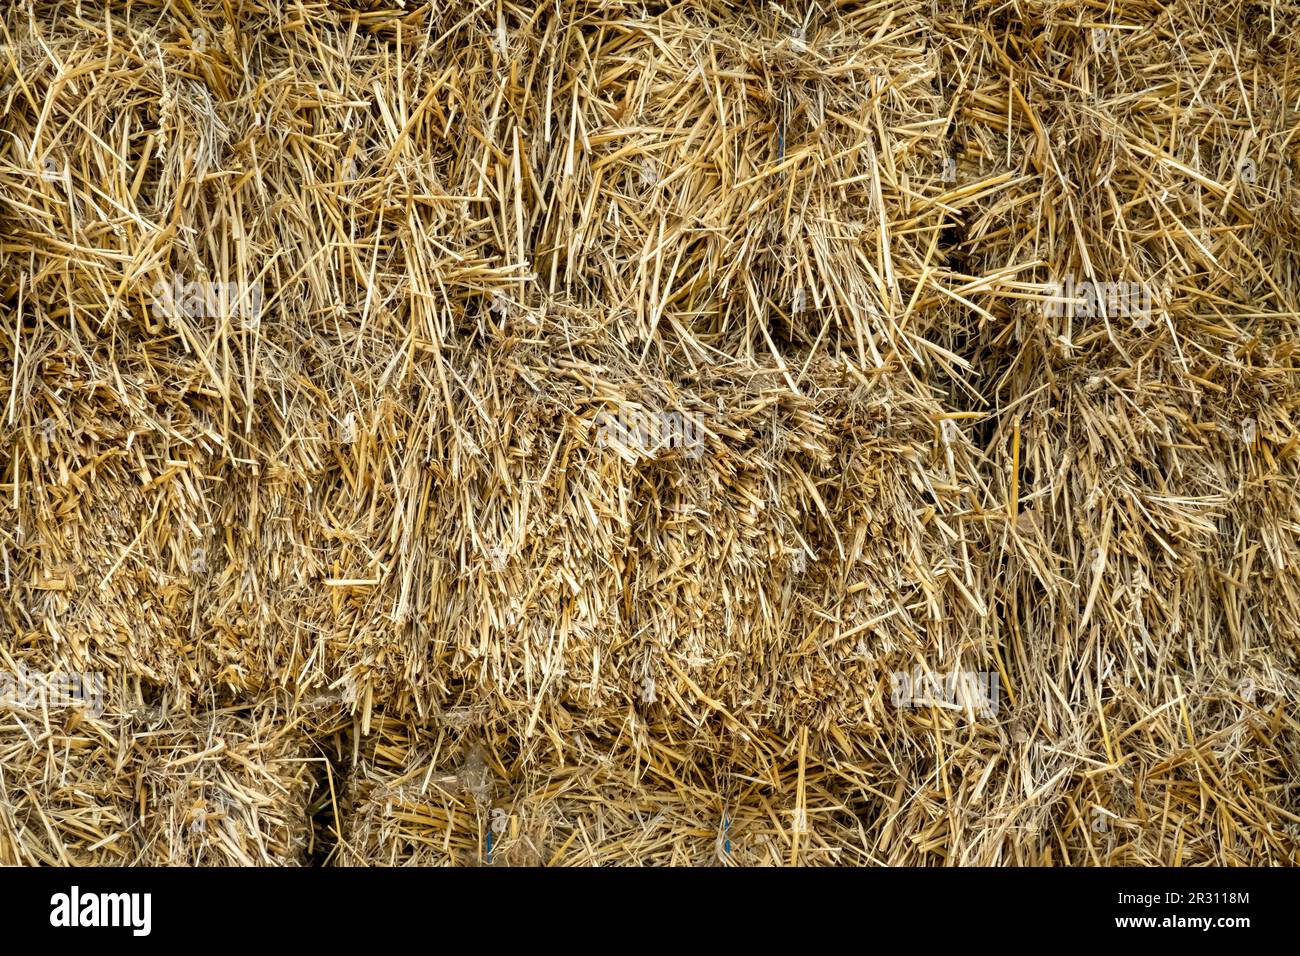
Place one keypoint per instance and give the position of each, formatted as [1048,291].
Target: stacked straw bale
[373,581]
[231,787]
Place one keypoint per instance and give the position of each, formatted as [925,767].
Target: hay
[229,787]
[419,798]
[373,557]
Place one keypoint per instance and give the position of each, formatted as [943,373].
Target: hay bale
[97,776]
[65,798]
[436,799]
[231,787]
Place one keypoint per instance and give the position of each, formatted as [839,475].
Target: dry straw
[368,583]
